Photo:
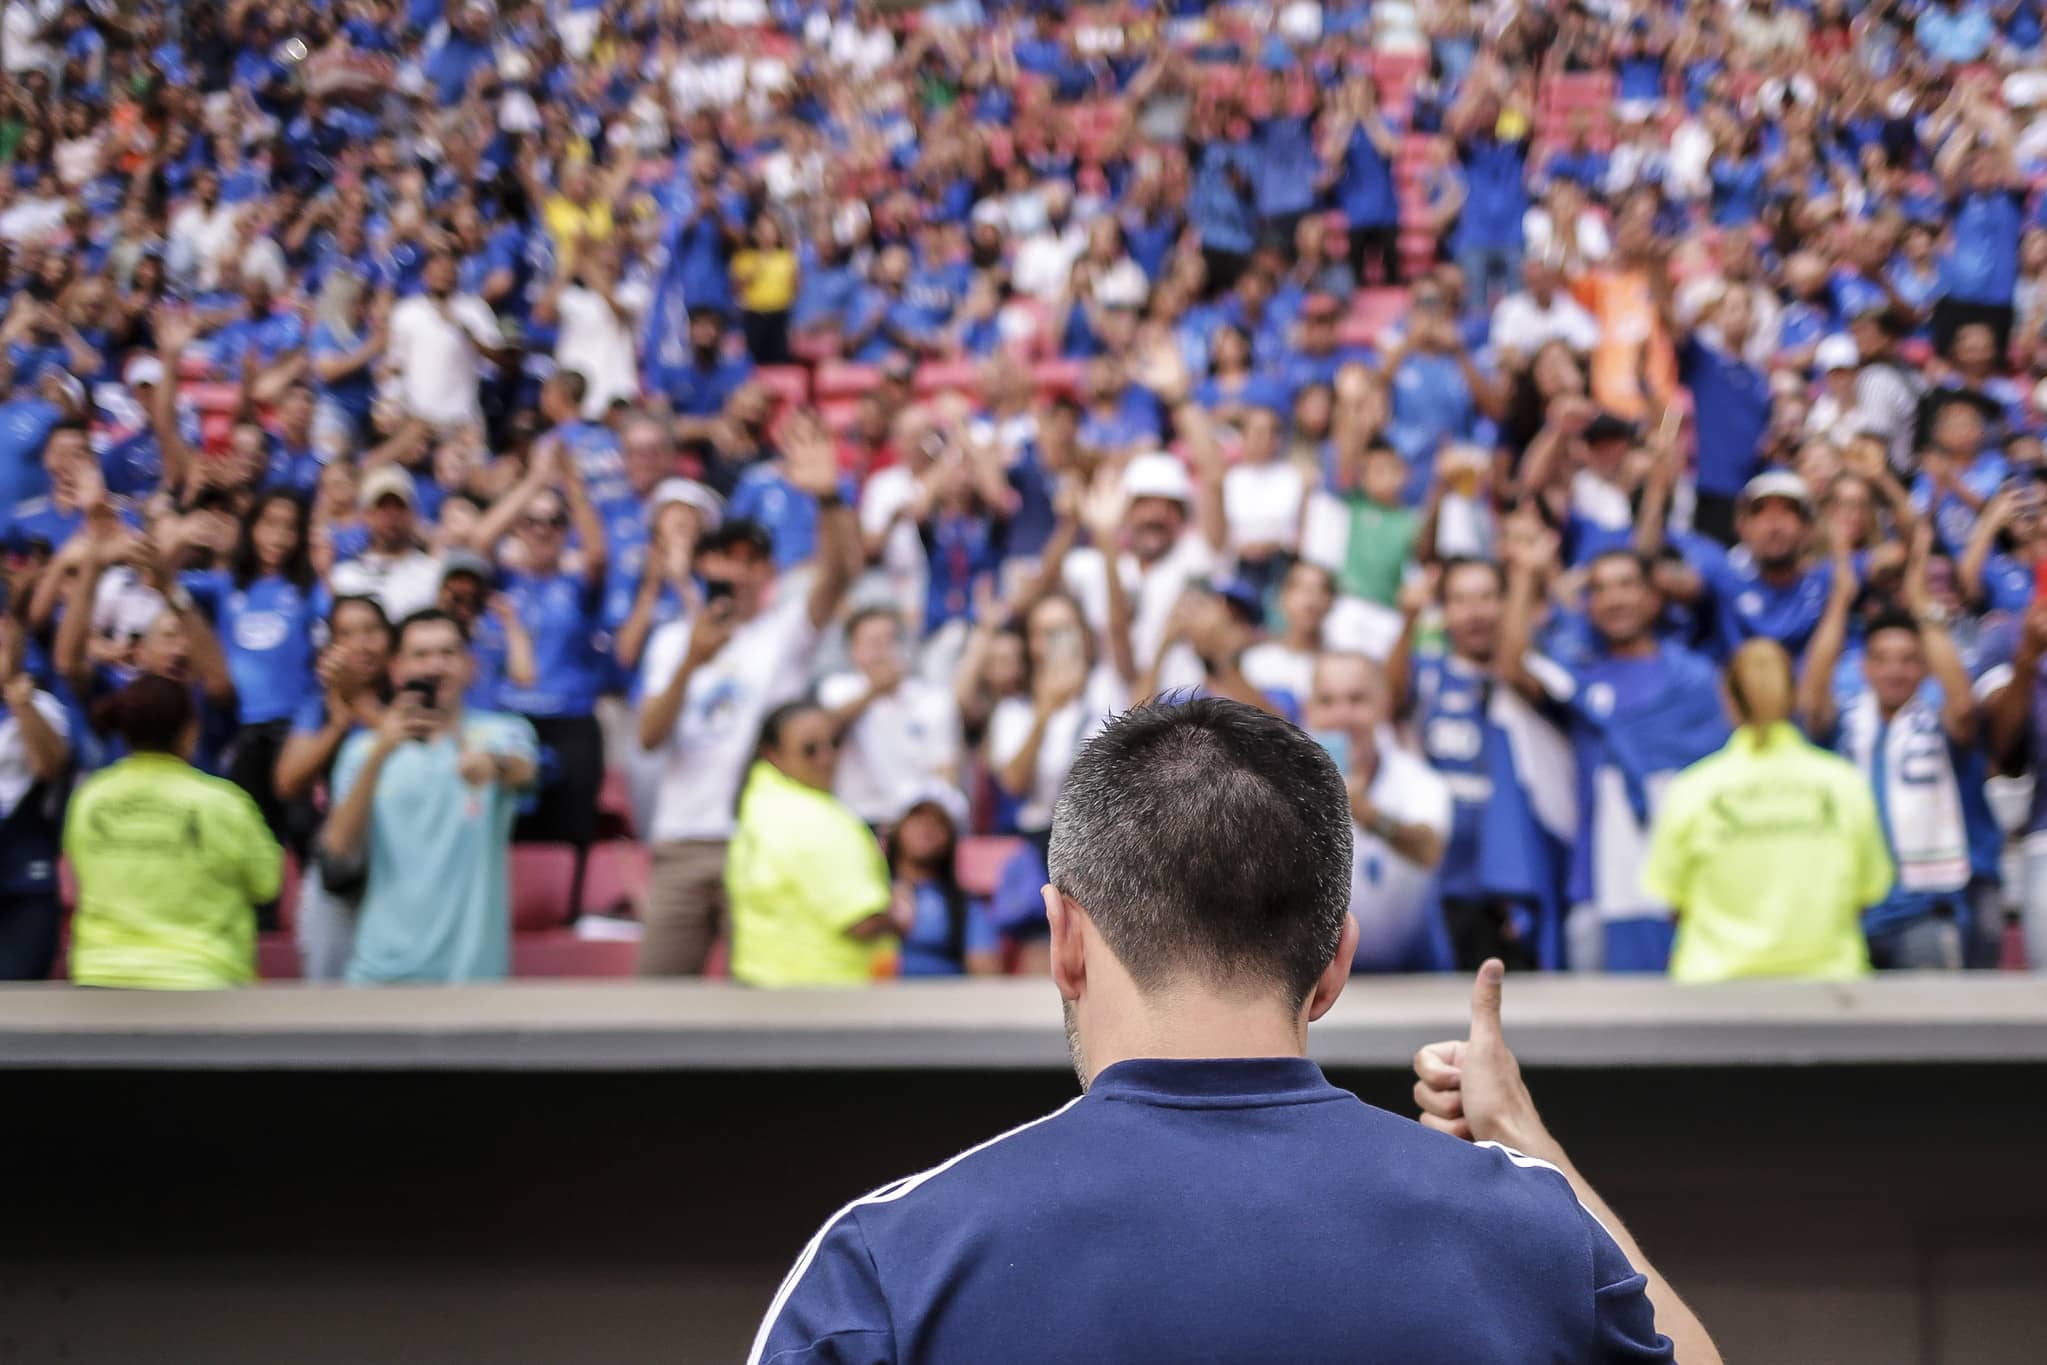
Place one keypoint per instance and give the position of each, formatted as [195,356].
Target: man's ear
[1068,943]
[1331,983]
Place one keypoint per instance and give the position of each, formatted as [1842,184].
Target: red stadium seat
[616,874]
[209,398]
[542,877]
[789,383]
[558,952]
[838,413]
[292,879]
[837,379]
[979,862]
[1057,376]
[941,376]
[277,957]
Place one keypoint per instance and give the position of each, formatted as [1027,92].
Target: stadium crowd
[753,443]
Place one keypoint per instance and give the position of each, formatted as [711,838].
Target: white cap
[1157,475]
[943,795]
[143,369]
[710,507]
[1776,483]
[1836,352]
[386,481]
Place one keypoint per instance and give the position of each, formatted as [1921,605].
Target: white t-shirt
[199,239]
[1545,237]
[437,358]
[1271,667]
[15,775]
[1044,262]
[1154,591]
[598,343]
[1262,503]
[703,761]
[402,584]
[1067,729]
[1522,325]
[903,563]
[902,745]
[1388,894]
[19,43]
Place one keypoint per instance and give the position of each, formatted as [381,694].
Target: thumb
[1485,1003]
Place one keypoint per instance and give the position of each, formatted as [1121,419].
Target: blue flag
[665,347]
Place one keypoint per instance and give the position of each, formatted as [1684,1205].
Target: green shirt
[1769,851]
[170,864]
[1381,542]
[802,870]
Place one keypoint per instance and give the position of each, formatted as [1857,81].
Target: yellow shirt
[170,864]
[801,870]
[764,280]
[566,221]
[1770,853]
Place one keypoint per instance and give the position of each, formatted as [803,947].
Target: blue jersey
[1732,400]
[561,615]
[1635,724]
[487,654]
[1215,1210]
[25,425]
[935,946]
[1747,606]
[1462,737]
[266,633]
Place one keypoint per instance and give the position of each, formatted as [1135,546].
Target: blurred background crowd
[611,485]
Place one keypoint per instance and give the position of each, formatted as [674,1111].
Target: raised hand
[807,453]
[1471,1087]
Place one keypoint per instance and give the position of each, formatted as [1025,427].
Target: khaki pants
[685,907]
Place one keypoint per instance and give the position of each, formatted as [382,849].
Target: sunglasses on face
[547,523]
[818,748]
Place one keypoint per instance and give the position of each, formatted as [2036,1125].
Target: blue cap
[1247,600]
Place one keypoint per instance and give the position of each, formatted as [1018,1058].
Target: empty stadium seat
[559,952]
[542,883]
[789,383]
[837,379]
[616,873]
[277,957]
[980,860]
[941,376]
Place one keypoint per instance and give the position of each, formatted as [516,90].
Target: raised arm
[543,468]
[521,669]
[2009,709]
[1982,540]
[1529,559]
[1472,1088]
[814,468]
[1198,433]
[1958,713]
[583,515]
[1823,655]
[174,333]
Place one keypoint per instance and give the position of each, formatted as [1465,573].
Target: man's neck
[1219,1030]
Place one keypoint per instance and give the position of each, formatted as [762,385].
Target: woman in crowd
[1770,849]
[171,863]
[944,931]
[264,608]
[1065,698]
[353,687]
[764,277]
[807,886]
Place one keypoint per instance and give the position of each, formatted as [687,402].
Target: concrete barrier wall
[376,1210]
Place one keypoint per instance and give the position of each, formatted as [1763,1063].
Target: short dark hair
[426,616]
[571,384]
[1634,557]
[1457,564]
[874,612]
[1209,837]
[738,533]
[1892,618]
[150,713]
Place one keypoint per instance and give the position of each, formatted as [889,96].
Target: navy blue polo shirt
[1242,1210]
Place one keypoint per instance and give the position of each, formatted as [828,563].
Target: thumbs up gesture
[1471,1087]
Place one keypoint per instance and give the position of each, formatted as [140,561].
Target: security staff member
[1210,1196]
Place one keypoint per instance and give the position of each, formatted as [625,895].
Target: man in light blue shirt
[1954,33]
[426,802]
